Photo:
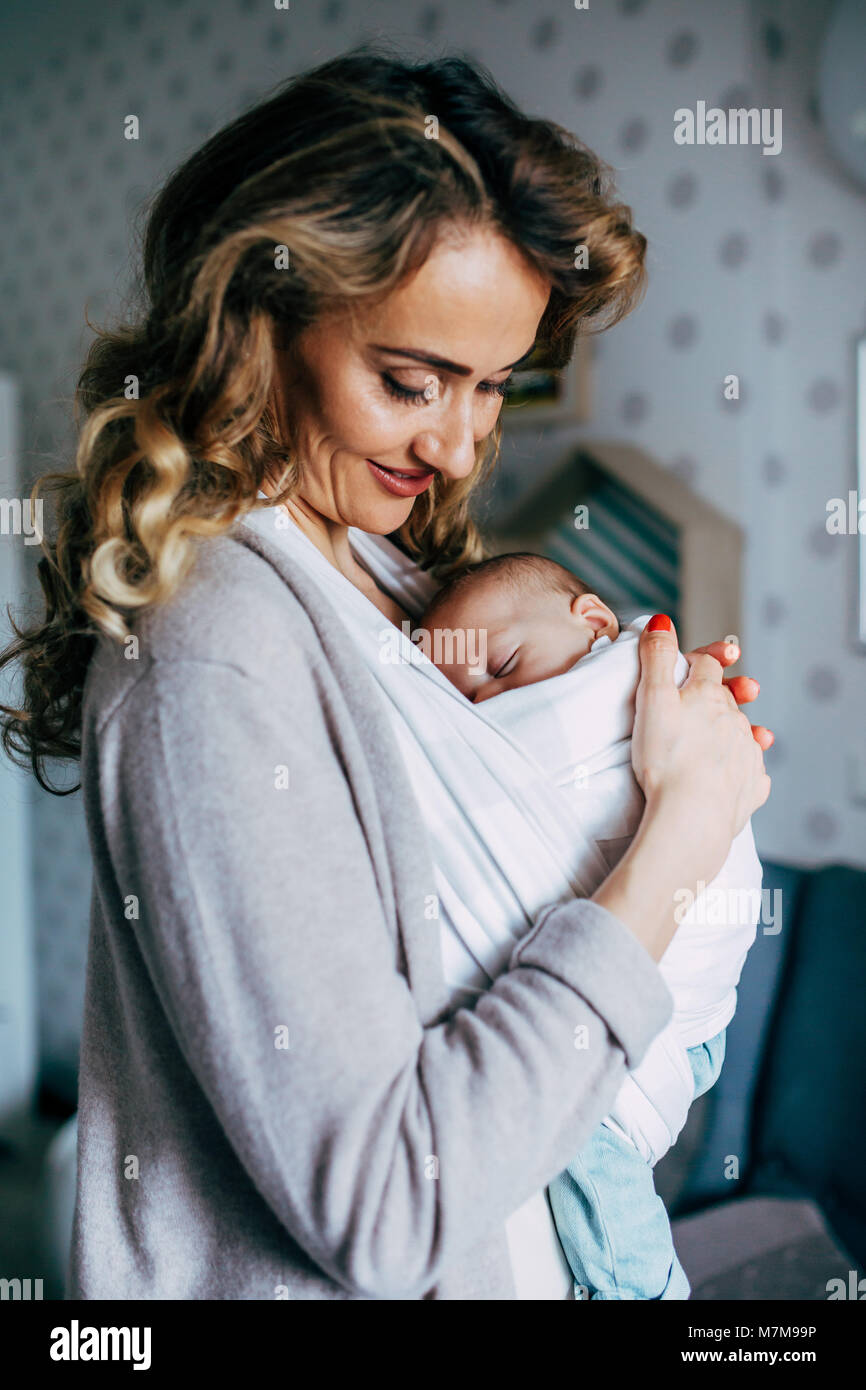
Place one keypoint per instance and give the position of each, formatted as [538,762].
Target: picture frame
[540,394]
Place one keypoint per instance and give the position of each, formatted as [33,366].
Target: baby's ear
[588,608]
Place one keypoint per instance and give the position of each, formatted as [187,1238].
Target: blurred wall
[755,264]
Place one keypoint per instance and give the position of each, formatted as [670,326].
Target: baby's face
[511,636]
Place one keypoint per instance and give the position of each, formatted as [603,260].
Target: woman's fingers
[743,688]
[764,737]
[725,652]
[705,664]
[703,667]
[658,652]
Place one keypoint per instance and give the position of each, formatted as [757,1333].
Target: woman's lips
[401,482]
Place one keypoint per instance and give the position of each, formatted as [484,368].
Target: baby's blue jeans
[612,1225]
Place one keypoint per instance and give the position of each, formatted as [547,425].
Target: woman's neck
[331,538]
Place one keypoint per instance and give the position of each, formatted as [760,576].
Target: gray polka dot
[588,82]
[429,21]
[813,108]
[682,191]
[820,825]
[774,42]
[634,408]
[682,48]
[820,541]
[774,327]
[177,86]
[154,52]
[685,468]
[543,34]
[200,25]
[774,185]
[224,63]
[821,682]
[822,395]
[630,7]
[773,610]
[333,11]
[824,249]
[277,37]
[774,470]
[634,134]
[735,98]
[733,250]
[682,331]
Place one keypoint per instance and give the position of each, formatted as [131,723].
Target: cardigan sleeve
[385,1148]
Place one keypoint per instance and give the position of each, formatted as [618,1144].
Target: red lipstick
[404,482]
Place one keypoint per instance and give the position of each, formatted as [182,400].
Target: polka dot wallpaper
[756,268]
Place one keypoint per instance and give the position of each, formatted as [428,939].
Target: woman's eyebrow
[432,360]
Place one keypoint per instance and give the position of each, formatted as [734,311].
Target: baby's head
[512,620]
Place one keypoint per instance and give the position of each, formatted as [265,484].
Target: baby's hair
[521,569]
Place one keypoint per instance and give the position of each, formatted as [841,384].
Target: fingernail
[659,623]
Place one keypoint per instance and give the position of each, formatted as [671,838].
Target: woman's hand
[743,688]
[700,764]
[697,759]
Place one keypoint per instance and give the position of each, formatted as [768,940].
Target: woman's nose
[450,448]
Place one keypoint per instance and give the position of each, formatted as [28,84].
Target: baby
[529,617]
[531,622]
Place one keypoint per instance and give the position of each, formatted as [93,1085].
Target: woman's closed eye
[424,395]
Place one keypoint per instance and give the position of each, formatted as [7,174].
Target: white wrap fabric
[529,798]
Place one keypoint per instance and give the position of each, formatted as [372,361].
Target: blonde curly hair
[175,415]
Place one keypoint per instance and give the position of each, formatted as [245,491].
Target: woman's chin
[380,518]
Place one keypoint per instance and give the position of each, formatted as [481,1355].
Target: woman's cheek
[370,422]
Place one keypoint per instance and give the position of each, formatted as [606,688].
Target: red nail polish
[660,623]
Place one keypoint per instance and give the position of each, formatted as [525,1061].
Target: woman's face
[381,406]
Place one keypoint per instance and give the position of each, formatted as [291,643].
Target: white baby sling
[503,845]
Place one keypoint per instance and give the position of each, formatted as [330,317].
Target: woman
[278,1094]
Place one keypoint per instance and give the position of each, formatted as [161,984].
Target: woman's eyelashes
[430,392]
